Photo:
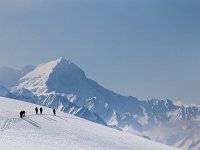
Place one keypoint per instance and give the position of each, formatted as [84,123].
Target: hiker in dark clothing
[21,114]
[41,109]
[36,110]
[54,112]
[24,114]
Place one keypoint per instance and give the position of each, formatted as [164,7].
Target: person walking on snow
[36,110]
[24,113]
[41,109]
[21,114]
[54,112]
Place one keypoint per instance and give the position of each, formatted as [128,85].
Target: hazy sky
[143,48]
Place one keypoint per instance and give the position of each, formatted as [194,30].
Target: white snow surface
[38,80]
[61,132]
[41,75]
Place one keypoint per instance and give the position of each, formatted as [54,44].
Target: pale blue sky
[143,48]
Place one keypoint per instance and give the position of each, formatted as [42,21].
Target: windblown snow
[61,132]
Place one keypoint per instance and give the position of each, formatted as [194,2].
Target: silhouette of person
[54,112]
[36,110]
[21,114]
[41,109]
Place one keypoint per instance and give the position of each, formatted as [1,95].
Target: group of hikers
[22,113]
[36,110]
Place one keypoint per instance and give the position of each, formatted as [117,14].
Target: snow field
[61,132]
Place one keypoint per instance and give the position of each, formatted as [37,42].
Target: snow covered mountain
[62,85]
[61,132]
[63,77]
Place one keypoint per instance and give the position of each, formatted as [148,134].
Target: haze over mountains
[62,85]
[9,76]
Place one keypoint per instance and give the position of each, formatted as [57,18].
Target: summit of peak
[61,62]
[62,59]
[52,75]
[47,68]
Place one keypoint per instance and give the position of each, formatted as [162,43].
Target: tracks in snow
[9,123]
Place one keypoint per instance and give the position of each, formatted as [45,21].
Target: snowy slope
[61,132]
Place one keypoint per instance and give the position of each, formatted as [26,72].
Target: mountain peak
[45,77]
[46,69]
[65,63]
[63,60]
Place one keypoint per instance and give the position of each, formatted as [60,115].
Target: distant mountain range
[9,76]
[62,85]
